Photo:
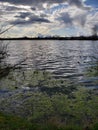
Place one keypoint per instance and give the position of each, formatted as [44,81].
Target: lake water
[66,59]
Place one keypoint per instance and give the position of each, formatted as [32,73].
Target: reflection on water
[68,59]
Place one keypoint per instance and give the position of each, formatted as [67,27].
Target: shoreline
[53,38]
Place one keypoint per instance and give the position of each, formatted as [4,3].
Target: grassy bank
[44,112]
[10,122]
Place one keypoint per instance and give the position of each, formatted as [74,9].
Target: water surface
[67,59]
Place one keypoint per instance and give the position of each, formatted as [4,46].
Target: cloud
[92,22]
[69,16]
[78,3]
[95,29]
[28,18]
[23,15]
[53,14]
[40,3]
[80,18]
[12,8]
[66,19]
[33,8]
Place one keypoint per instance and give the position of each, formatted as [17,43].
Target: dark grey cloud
[95,29]
[78,3]
[33,8]
[65,17]
[12,8]
[31,21]
[32,18]
[43,15]
[31,2]
[38,3]
[23,15]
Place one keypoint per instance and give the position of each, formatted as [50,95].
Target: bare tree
[6,68]
[5,30]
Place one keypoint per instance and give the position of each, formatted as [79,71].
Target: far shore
[53,38]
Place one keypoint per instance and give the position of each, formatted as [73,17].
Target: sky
[34,18]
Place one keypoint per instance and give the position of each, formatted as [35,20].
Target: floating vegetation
[92,75]
[39,97]
[36,81]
